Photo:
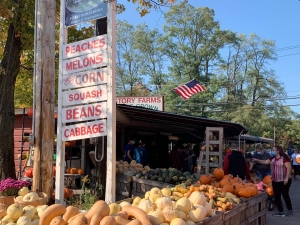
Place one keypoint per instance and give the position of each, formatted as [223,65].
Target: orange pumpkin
[244,192]
[270,191]
[228,176]
[68,193]
[68,170]
[81,171]
[73,171]
[215,184]
[205,179]
[298,160]
[218,173]
[252,190]
[267,180]
[229,188]
[223,182]
[30,112]
[227,150]
[29,172]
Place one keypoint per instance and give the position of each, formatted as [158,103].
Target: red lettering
[98,110]
[77,79]
[70,97]
[75,113]
[102,42]
[99,58]
[83,47]
[68,114]
[67,50]
[77,131]
[83,113]
[69,66]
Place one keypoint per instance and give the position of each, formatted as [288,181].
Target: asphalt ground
[295,198]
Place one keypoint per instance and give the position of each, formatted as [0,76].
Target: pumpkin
[73,171]
[81,171]
[181,215]
[205,179]
[30,197]
[68,170]
[166,192]
[177,221]
[198,214]
[54,170]
[229,188]
[24,220]
[29,172]
[146,206]
[218,173]
[183,204]
[169,214]
[223,182]
[29,211]
[23,191]
[14,211]
[267,180]
[68,193]
[156,217]
[30,112]
[298,159]
[114,208]
[269,190]
[244,192]
[252,190]
[197,198]
[155,193]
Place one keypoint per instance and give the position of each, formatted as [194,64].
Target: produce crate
[123,187]
[235,215]
[256,211]
[214,220]
[141,186]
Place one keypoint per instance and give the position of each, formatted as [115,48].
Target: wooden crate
[234,216]
[141,186]
[256,211]
[123,187]
[214,220]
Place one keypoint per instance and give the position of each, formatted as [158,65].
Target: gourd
[70,212]
[197,214]
[208,208]
[134,222]
[163,202]
[123,214]
[6,219]
[74,218]
[183,204]
[197,198]
[181,215]
[29,211]
[120,220]
[166,192]
[177,221]
[147,195]
[35,222]
[96,219]
[108,220]
[14,211]
[156,217]
[169,214]
[137,213]
[218,173]
[98,207]
[40,209]
[155,193]
[30,197]
[52,212]
[79,220]
[114,208]
[146,206]
[24,220]
[23,191]
[57,221]
[124,203]
[137,199]
[189,222]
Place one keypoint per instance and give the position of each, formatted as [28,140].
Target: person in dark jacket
[261,170]
[140,154]
[236,164]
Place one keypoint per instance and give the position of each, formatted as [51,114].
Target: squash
[155,193]
[163,202]
[57,221]
[124,203]
[14,211]
[166,192]
[198,214]
[52,212]
[170,214]
[120,220]
[183,204]
[108,220]
[30,197]
[218,173]
[197,198]
[137,213]
[35,222]
[96,219]
[29,211]
[6,219]
[134,222]
[79,219]
[123,214]
[40,209]
[24,220]
[267,180]
[189,222]
[181,215]
[156,217]
[98,207]
[114,208]
[137,199]
[147,195]
[146,206]
[208,208]
[70,212]
[177,221]
[23,191]
[79,215]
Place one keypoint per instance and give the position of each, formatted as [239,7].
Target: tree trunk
[9,69]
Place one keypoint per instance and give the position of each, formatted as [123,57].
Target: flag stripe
[190,88]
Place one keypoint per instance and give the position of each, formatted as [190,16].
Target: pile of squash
[124,168]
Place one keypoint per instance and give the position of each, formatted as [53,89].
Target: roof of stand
[136,117]
[254,139]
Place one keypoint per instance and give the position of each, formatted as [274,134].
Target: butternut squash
[99,207]
[96,219]
[134,222]
[77,215]
[137,213]
[70,212]
[123,214]
[57,221]
[108,220]
[52,212]
[121,221]
[2,213]
[79,220]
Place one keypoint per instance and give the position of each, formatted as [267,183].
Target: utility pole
[44,79]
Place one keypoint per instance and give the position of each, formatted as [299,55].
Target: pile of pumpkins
[24,195]
[74,170]
[130,169]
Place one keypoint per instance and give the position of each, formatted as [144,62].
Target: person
[129,150]
[196,149]
[296,165]
[140,154]
[176,157]
[187,158]
[261,170]
[259,184]
[281,179]
[153,155]
[236,164]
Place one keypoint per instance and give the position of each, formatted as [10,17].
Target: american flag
[188,89]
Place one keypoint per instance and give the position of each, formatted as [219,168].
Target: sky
[275,20]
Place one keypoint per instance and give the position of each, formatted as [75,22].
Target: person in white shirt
[296,165]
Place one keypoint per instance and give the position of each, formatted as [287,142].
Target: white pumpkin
[155,193]
[208,208]
[29,211]
[181,215]
[6,219]
[14,211]
[146,206]
[7,223]
[147,194]
[122,204]
[198,214]
[197,198]
[24,220]
[156,217]
[23,191]
[30,197]
[137,199]
[147,168]
[183,204]
[189,222]
[166,192]
[114,208]
[40,209]
[177,221]
[35,222]
[170,214]
[163,202]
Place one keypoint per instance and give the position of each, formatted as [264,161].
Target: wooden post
[110,190]
[44,96]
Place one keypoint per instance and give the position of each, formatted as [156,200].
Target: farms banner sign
[80,11]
